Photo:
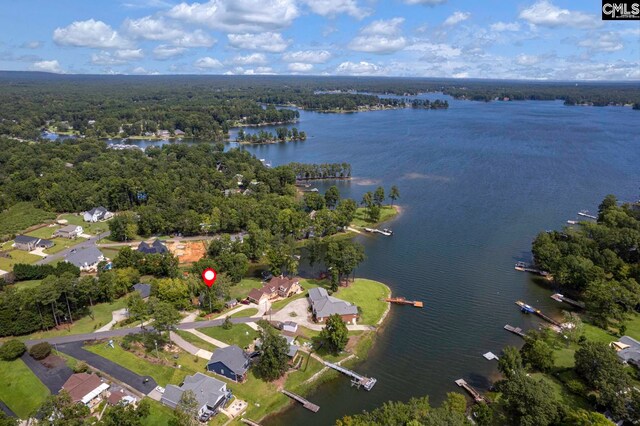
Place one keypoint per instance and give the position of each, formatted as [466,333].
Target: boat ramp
[356,379]
[403,301]
[477,397]
[305,403]
[528,309]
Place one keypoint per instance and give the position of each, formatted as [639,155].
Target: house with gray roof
[323,306]
[69,231]
[628,350]
[27,243]
[156,247]
[231,362]
[210,393]
[86,259]
[97,214]
[143,289]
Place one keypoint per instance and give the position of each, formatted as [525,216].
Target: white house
[97,214]
[69,231]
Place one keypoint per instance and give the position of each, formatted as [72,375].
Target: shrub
[12,350]
[80,367]
[227,324]
[40,350]
[576,386]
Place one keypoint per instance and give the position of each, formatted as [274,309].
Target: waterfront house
[97,214]
[156,247]
[87,389]
[231,362]
[69,231]
[628,350]
[27,243]
[86,259]
[211,393]
[257,296]
[278,287]
[323,306]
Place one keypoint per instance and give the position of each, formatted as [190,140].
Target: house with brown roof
[87,389]
[256,295]
[278,287]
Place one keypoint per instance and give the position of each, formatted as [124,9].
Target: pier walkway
[477,397]
[356,379]
[305,403]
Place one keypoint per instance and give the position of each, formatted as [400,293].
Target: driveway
[300,310]
[117,316]
[53,378]
[62,254]
[111,368]
[39,252]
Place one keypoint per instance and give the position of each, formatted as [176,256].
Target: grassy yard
[27,285]
[109,252]
[239,291]
[306,284]
[569,399]
[89,228]
[240,334]
[63,243]
[367,295]
[361,219]
[159,415]
[195,340]
[21,216]
[101,314]
[45,232]
[17,256]
[21,390]
[245,313]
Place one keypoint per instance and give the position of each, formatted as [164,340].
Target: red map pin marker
[209,276]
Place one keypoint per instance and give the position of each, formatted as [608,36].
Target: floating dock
[531,310]
[560,298]
[306,404]
[356,379]
[515,330]
[387,232]
[477,397]
[490,356]
[525,267]
[585,213]
[403,301]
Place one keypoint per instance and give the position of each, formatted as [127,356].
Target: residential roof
[80,385]
[143,289]
[283,283]
[68,228]
[630,353]
[255,293]
[86,256]
[233,357]
[156,247]
[115,397]
[99,210]
[25,239]
[207,390]
[324,305]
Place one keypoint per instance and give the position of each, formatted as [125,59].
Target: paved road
[62,254]
[7,410]
[124,331]
[111,368]
[53,378]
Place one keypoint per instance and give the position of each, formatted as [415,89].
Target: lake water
[478,181]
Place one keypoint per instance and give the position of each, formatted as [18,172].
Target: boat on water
[572,222]
[527,309]
[386,231]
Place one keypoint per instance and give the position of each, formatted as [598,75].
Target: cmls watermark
[623,9]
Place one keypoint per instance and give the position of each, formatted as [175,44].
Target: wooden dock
[306,404]
[515,330]
[249,422]
[560,298]
[403,301]
[477,397]
[356,379]
[586,214]
[524,267]
[385,232]
[530,309]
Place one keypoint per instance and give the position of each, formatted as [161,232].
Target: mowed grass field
[367,295]
[361,219]
[240,334]
[20,389]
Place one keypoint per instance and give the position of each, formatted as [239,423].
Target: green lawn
[63,243]
[240,334]
[195,340]
[159,415]
[361,219]
[21,216]
[245,313]
[17,256]
[45,232]
[21,390]
[239,291]
[306,284]
[102,315]
[367,295]
[27,285]
[569,399]
[89,228]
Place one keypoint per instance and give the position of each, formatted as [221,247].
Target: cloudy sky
[531,39]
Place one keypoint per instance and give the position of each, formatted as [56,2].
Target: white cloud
[117,57]
[307,56]
[456,18]
[143,71]
[426,2]
[337,7]
[267,42]
[48,66]
[31,44]
[383,27]
[147,4]
[164,51]
[382,37]
[528,60]
[433,51]
[604,42]
[546,14]
[358,68]
[159,29]
[251,71]
[300,67]
[252,59]
[238,16]
[505,26]
[207,63]
[90,33]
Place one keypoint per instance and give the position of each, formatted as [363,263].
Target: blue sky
[525,39]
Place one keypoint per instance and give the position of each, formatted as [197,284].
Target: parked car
[206,416]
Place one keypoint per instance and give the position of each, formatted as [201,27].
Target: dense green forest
[207,106]
[597,261]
